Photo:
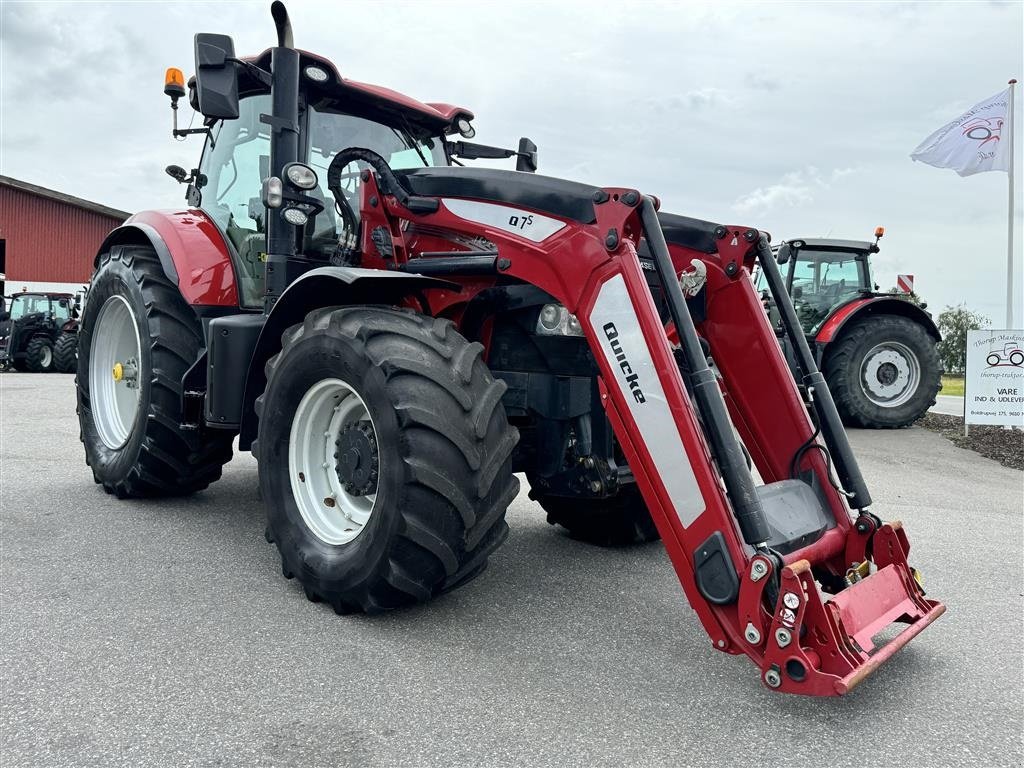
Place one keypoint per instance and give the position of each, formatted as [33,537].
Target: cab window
[61,310]
[235,166]
[331,131]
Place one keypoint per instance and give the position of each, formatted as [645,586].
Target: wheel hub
[358,460]
[333,461]
[890,374]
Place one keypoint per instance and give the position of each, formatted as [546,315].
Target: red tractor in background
[878,351]
[394,336]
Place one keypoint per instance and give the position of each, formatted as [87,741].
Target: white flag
[977,141]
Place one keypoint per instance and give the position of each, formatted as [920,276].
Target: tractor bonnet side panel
[201,258]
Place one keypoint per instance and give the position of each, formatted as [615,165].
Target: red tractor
[878,351]
[394,336]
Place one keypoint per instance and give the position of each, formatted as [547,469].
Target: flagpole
[1009,223]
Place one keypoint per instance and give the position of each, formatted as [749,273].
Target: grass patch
[952,385]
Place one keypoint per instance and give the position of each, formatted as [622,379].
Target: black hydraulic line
[706,394]
[824,406]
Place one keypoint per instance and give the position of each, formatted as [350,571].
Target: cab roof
[828,244]
[438,116]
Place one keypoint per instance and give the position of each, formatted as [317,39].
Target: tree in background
[954,323]
[912,297]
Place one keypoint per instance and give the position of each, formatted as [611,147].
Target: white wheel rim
[115,399]
[890,374]
[331,512]
[46,357]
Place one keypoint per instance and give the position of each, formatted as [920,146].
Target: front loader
[394,336]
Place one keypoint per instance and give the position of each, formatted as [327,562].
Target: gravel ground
[161,633]
[1003,445]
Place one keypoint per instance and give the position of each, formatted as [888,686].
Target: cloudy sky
[794,117]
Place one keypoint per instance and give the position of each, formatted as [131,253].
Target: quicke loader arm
[795,573]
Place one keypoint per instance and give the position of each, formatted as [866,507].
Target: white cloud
[793,189]
[671,112]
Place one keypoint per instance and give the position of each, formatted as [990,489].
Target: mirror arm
[258,74]
[178,133]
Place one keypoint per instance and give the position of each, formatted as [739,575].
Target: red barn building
[48,239]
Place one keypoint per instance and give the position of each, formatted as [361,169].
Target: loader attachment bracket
[825,647]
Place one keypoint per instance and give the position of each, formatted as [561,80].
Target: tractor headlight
[556,320]
[273,192]
[301,176]
[295,216]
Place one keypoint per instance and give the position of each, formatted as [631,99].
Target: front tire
[39,355]
[883,373]
[65,353]
[137,338]
[384,457]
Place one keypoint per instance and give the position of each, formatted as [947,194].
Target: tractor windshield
[238,159]
[822,280]
[28,304]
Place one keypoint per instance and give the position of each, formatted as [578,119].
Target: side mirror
[527,158]
[784,254]
[216,76]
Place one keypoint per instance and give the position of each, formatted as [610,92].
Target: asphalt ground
[139,633]
[950,405]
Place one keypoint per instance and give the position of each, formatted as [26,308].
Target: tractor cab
[334,113]
[822,275]
[31,327]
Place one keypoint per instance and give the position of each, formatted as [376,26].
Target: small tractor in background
[394,336]
[39,333]
[878,351]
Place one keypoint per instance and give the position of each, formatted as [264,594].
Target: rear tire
[416,422]
[65,353]
[39,355]
[883,373]
[133,438]
[614,521]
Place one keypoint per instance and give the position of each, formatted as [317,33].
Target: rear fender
[843,317]
[321,287]
[192,252]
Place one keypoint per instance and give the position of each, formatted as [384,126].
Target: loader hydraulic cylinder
[706,393]
[824,406]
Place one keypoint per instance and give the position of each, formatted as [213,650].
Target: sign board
[905,283]
[994,389]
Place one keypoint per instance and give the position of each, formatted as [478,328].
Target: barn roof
[61,197]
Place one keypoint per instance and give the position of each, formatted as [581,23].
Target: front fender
[841,318]
[321,287]
[191,249]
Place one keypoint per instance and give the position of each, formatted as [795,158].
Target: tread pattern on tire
[842,372]
[456,447]
[171,461]
[615,521]
[65,353]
